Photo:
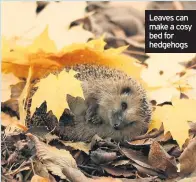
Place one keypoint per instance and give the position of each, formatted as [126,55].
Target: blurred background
[122,23]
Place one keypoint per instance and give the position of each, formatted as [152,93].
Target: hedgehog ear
[126,90]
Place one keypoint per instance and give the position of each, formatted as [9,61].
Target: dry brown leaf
[140,162]
[54,159]
[11,104]
[135,156]
[40,169]
[188,158]
[119,172]
[17,89]
[160,159]
[75,175]
[76,104]
[85,147]
[61,163]
[120,163]
[101,157]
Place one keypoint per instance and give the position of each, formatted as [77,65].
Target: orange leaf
[44,62]
[37,178]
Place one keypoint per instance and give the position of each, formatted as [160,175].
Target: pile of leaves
[35,84]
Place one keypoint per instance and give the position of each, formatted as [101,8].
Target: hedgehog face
[124,105]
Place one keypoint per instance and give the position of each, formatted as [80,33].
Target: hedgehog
[116,106]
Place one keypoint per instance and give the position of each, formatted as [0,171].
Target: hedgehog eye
[126,90]
[124,106]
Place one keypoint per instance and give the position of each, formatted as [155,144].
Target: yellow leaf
[175,118]
[42,43]
[93,52]
[53,89]
[21,58]
[97,44]
[164,94]
[163,78]
[13,53]
[17,58]
[160,70]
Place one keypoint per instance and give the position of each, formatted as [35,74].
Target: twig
[5,178]
[6,147]
[32,166]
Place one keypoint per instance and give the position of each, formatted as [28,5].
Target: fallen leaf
[135,155]
[7,81]
[77,105]
[54,159]
[140,162]
[85,147]
[147,170]
[162,95]
[162,76]
[188,159]
[101,157]
[20,58]
[11,107]
[37,178]
[42,43]
[160,70]
[42,133]
[77,176]
[160,159]
[120,163]
[17,89]
[17,59]
[93,53]
[175,118]
[53,89]
[119,172]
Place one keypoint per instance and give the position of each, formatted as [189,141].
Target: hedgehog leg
[91,113]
